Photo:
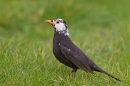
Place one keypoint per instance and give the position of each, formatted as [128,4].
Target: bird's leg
[72,74]
[74,70]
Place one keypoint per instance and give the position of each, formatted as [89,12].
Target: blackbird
[68,53]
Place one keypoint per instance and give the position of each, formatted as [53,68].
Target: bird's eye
[57,22]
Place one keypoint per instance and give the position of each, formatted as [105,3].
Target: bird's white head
[59,26]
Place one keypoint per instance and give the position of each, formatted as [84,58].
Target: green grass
[100,28]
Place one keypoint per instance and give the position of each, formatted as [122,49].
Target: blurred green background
[101,28]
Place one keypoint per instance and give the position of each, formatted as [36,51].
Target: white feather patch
[60,27]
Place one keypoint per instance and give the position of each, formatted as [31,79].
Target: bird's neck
[64,32]
[59,37]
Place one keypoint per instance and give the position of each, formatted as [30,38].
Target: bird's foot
[72,74]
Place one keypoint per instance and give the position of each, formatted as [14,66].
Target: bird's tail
[111,76]
[101,70]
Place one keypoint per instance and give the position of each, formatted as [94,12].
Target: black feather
[69,54]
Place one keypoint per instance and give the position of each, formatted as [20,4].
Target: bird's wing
[76,56]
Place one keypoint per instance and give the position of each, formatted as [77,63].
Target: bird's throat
[64,32]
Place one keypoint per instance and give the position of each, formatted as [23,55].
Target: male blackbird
[68,53]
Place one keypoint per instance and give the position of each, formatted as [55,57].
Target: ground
[100,28]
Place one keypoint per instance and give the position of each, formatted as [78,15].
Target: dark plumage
[68,53]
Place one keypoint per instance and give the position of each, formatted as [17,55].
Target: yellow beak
[49,21]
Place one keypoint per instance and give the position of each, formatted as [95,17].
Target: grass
[100,28]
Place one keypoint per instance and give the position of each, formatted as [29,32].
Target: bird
[68,53]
